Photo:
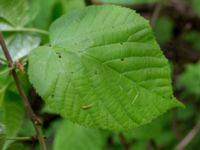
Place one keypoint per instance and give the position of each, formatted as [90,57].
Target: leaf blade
[102,76]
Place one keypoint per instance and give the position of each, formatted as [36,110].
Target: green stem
[25,30]
[19,138]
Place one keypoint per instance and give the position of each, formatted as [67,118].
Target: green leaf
[150,131]
[28,129]
[13,17]
[4,82]
[167,139]
[52,9]
[20,44]
[17,146]
[77,137]
[164,29]
[140,145]
[101,71]
[192,38]
[196,6]
[189,80]
[65,6]
[2,134]
[4,25]
[147,131]
[13,113]
[34,8]
[15,12]
[186,114]
[70,5]
[2,92]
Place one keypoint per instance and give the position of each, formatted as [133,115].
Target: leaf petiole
[26,30]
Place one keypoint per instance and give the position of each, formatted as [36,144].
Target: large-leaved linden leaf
[103,69]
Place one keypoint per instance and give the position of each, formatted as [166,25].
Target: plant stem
[151,145]
[156,13]
[34,118]
[25,30]
[188,138]
[27,138]
[123,141]
[19,138]
[157,10]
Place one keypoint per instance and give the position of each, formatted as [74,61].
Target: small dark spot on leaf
[59,55]
[122,59]
[95,72]
[52,95]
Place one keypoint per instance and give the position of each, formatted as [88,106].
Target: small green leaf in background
[4,82]
[2,133]
[139,146]
[15,12]
[189,80]
[13,114]
[196,6]
[167,139]
[34,8]
[148,131]
[70,5]
[185,114]
[111,75]
[164,29]
[28,129]
[43,18]
[192,38]
[18,146]
[52,9]
[74,137]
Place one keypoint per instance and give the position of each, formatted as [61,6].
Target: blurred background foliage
[176,24]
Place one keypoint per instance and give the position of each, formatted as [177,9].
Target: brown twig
[110,142]
[175,126]
[151,145]
[155,14]
[35,119]
[123,141]
[188,138]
